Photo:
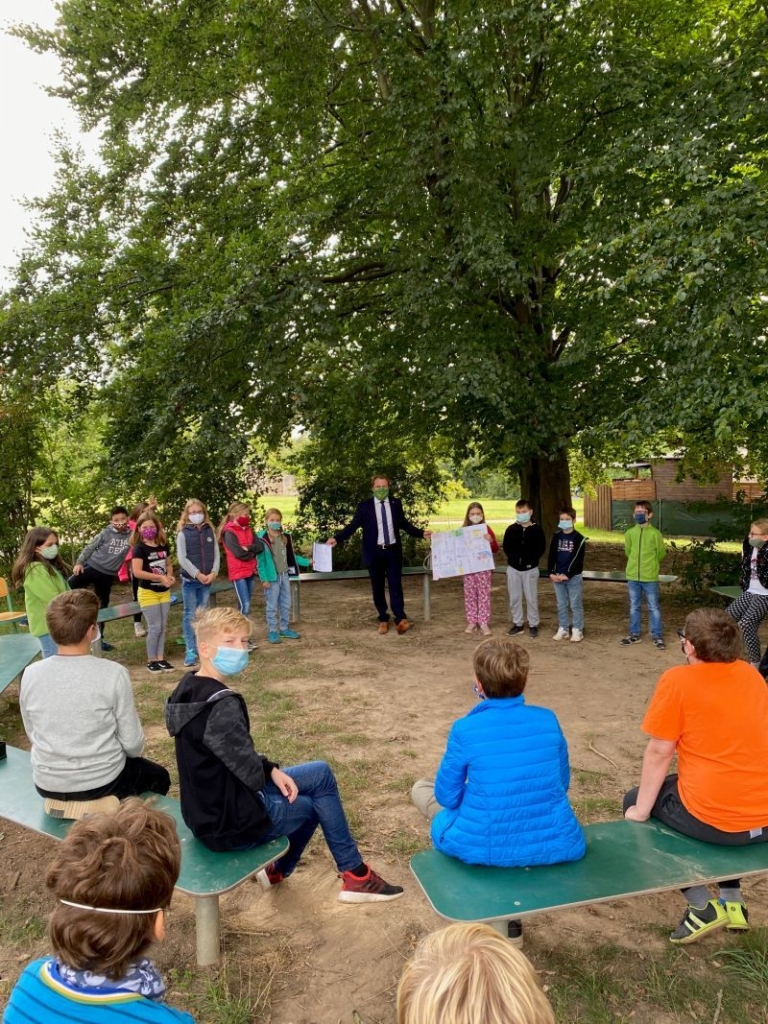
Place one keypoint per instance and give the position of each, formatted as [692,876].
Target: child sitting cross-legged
[113,877]
[500,797]
[232,797]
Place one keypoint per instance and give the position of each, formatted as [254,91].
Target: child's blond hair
[210,622]
[761,525]
[470,974]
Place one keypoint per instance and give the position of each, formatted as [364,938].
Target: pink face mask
[149,533]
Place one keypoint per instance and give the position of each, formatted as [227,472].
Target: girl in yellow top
[151,566]
[40,569]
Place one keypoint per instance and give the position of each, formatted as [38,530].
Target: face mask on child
[229,660]
[50,552]
[274,525]
[565,524]
[641,518]
[523,517]
[196,518]
[756,542]
[243,520]
[475,517]
[149,533]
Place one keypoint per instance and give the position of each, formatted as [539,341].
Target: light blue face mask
[274,525]
[230,660]
[565,524]
[523,517]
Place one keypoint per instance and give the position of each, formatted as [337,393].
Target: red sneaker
[269,876]
[371,888]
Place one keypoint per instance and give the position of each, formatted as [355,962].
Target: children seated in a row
[113,879]
[232,797]
[79,715]
[477,585]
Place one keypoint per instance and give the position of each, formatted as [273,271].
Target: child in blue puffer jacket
[500,797]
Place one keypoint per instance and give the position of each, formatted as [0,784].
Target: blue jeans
[244,589]
[278,600]
[48,645]
[651,591]
[194,595]
[318,803]
[569,593]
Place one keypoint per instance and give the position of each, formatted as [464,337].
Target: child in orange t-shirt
[720,794]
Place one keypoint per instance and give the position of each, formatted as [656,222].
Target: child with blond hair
[232,797]
[470,974]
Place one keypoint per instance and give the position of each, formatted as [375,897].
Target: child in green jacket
[41,571]
[276,564]
[645,549]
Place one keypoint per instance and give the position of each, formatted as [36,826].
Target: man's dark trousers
[387,565]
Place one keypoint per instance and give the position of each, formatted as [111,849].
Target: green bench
[354,574]
[17,650]
[204,875]
[731,592]
[623,859]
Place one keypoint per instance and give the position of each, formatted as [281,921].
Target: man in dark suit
[382,519]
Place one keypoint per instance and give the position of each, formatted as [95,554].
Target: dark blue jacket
[365,518]
[201,548]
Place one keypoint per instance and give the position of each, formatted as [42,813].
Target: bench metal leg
[208,930]
[295,602]
[427,608]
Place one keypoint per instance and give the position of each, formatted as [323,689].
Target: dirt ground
[380,708]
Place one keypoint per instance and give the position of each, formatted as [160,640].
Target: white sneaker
[561,634]
[138,629]
[576,636]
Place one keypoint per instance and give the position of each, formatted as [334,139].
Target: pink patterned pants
[477,598]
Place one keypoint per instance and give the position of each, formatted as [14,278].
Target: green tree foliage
[511,224]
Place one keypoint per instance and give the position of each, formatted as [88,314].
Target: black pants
[387,566]
[138,776]
[99,582]
[670,810]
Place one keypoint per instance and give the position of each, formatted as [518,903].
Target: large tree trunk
[546,482]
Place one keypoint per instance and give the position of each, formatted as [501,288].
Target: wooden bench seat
[623,859]
[204,875]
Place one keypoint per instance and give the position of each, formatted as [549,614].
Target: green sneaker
[738,918]
[697,922]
